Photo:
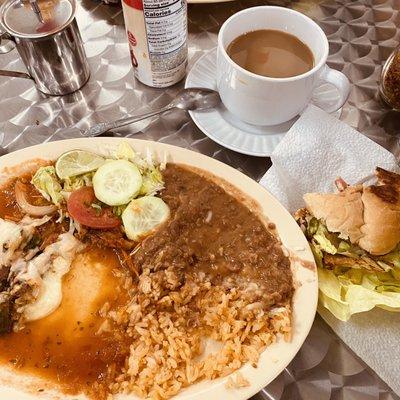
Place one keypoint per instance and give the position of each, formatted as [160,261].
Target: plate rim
[293,238]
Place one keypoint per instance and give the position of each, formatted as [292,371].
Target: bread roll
[342,212]
[381,229]
[369,216]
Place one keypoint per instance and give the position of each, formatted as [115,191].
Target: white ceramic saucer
[227,130]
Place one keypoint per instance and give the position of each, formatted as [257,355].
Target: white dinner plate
[229,131]
[277,356]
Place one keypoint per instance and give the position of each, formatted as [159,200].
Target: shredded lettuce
[46,182]
[318,254]
[143,162]
[331,243]
[344,247]
[76,182]
[151,172]
[346,290]
[152,182]
[125,152]
[321,237]
[118,210]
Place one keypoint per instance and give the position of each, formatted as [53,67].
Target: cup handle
[341,82]
[6,48]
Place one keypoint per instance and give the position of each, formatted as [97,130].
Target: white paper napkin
[315,151]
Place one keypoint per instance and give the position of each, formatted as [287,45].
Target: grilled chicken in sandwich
[355,238]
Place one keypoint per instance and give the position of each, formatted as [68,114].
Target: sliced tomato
[80,208]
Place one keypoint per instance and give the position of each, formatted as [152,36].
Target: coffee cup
[263,100]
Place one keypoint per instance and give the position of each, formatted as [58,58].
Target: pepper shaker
[390,80]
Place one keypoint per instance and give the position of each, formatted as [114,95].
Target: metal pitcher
[47,38]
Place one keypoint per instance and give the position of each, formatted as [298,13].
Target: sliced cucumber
[143,216]
[117,182]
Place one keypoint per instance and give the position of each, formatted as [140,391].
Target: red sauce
[64,348]
[9,208]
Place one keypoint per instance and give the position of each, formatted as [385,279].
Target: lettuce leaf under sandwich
[351,280]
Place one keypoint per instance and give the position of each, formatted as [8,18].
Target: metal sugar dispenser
[47,38]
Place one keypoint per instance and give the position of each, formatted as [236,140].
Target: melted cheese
[50,291]
[10,240]
[13,236]
[46,272]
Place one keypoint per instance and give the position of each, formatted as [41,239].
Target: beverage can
[157,36]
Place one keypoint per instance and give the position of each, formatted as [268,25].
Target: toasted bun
[368,216]
[381,229]
[342,212]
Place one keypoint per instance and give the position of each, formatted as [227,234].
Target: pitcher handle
[6,48]
[14,74]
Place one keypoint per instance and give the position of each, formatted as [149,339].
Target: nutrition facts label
[157,33]
[165,25]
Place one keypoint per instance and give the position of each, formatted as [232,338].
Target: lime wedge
[77,162]
[143,216]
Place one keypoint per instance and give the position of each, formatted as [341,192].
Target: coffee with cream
[271,53]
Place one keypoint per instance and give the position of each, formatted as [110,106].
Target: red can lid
[137,4]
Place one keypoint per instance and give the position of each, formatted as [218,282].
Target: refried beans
[213,232]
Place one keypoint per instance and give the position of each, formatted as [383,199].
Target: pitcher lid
[19,18]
